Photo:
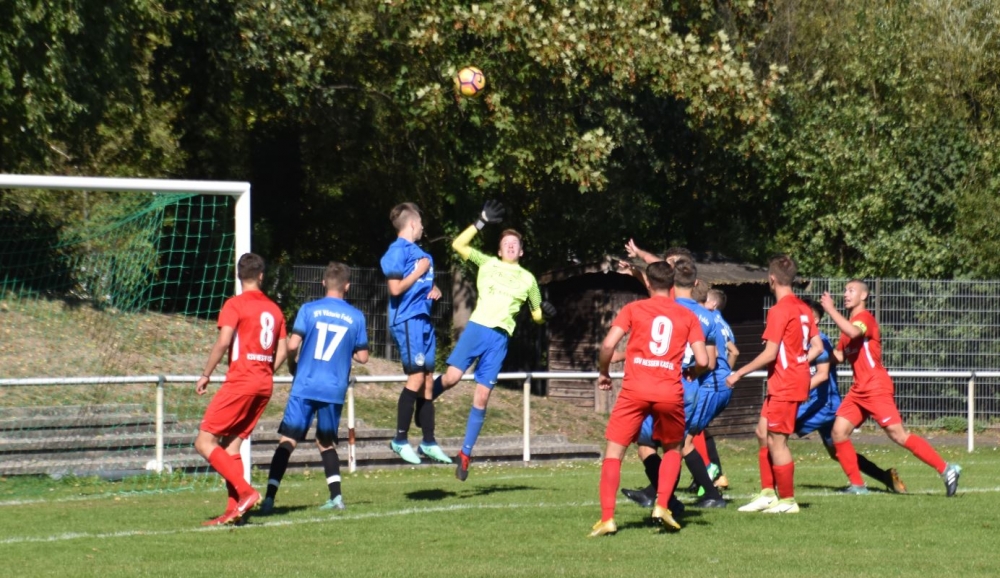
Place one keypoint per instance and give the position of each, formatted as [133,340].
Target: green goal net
[102,292]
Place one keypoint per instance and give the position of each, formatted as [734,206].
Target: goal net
[105,285]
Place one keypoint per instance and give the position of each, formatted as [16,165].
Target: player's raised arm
[844,324]
[492,213]
[634,251]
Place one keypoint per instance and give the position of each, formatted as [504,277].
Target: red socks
[925,453]
[670,470]
[611,474]
[234,496]
[701,448]
[766,473]
[848,459]
[785,478]
[229,469]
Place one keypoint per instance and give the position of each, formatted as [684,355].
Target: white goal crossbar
[239,190]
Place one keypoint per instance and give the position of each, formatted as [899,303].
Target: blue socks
[472,428]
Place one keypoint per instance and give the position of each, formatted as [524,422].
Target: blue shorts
[819,419]
[692,393]
[299,414]
[709,404]
[417,344]
[488,344]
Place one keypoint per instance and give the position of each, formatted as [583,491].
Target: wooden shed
[588,296]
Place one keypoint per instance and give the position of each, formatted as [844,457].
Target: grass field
[513,521]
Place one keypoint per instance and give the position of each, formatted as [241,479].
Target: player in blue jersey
[409,272]
[327,335]
[715,301]
[702,402]
[818,413]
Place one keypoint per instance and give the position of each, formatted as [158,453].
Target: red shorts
[881,407]
[780,415]
[233,414]
[632,407]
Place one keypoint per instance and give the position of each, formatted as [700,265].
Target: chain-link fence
[930,325]
[369,292]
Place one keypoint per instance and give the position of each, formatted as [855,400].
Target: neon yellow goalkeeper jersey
[503,288]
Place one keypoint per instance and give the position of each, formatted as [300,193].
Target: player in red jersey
[660,331]
[252,329]
[791,342]
[872,393]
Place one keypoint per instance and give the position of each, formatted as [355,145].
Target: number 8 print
[266,330]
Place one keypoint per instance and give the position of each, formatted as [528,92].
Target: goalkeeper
[503,286]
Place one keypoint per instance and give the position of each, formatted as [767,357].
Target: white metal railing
[525,377]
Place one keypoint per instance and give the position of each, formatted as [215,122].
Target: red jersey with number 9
[659,332]
[790,324]
[258,325]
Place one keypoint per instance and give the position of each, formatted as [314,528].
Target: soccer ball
[470,81]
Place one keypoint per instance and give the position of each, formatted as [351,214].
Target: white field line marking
[282,523]
[376,515]
[217,487]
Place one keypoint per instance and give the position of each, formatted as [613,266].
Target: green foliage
[859,137]
[880,150]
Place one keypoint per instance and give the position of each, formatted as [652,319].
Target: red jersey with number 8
[790,324]
[659,332]
[258,325]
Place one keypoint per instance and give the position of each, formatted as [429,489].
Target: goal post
[132,288]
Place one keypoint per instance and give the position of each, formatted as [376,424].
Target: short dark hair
[783,268]
[700,292]
[402,214]
[816,307]
[250,267]
[685,273]
[660,276]
[337,276]
[720,297]
[678,252]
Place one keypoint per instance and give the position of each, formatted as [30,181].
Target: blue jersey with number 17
[331,331]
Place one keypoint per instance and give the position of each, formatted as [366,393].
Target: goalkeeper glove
[548,310]
[492,213]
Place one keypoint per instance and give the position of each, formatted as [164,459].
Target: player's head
[781,271]
[660,276]
[674,253]
[337,277]
[250,267]
[700,292]
[685,273]
[855,293]
[716,300]
[816,307]
[511,248]
[406,218]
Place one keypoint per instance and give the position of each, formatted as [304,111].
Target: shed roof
[713,271]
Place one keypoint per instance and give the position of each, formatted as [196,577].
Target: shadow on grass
[840,489]
[435,495]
